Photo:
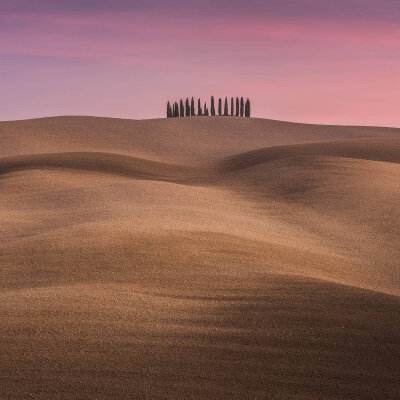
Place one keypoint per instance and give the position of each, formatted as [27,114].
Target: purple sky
[301,60]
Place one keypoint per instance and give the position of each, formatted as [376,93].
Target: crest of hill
[178,140]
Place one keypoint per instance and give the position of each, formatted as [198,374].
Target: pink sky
[302,61]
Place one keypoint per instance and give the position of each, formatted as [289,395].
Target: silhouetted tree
[220,106]
[232,107]
[199,110]
[181,109]
[192,111]
[176,110]
[237,106]
[226,107]
[169,111]
[247,109]
[206,110]
[187,108]
[212,106]
[241,107]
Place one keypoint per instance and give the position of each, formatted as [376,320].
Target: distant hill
[175,140]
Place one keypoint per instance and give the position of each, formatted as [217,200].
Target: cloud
[111,37]
[388,10]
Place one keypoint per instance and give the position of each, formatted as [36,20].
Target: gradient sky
[317,61]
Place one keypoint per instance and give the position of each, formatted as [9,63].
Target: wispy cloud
[113,36]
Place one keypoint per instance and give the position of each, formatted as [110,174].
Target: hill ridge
[384,150]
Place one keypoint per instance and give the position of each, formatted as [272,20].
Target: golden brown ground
[198,258]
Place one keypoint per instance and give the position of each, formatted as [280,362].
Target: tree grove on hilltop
[186,108]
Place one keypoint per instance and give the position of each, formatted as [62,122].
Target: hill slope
[198,258]
[175,140]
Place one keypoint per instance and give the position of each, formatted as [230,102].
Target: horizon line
[197,117]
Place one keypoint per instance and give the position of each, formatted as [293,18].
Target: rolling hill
[201,258]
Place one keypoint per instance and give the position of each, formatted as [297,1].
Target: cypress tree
[237,106]
[176,110]
[181,109]
[248,111]
[169,112]
[220,106]
[232,107]
[192,113]
[212,106]
[226,107]
[241,107]
[199,110]
[187,108]
[206,110]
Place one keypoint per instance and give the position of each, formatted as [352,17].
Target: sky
[316,61]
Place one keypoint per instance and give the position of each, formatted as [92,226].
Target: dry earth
[198,258]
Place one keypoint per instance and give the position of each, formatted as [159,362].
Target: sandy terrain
[198,258]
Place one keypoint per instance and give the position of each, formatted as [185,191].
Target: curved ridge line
[383,150]
[388,151]
[311,279]
[101,162]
